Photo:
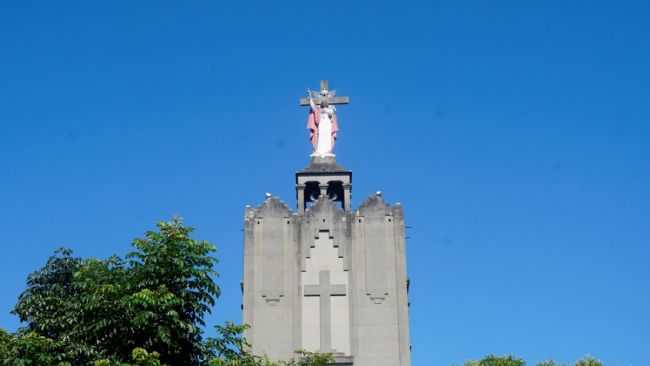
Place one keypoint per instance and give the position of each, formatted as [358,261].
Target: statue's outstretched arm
[311,101]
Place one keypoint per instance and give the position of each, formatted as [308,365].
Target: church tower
[326,277]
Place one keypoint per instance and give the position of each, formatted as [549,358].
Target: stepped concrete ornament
[322,122]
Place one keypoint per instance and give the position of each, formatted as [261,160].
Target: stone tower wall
[270,286]
[368,246]
[380,302]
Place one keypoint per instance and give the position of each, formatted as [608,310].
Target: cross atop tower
[325,95]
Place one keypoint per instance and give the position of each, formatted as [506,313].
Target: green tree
[589,361]
[139,357]
[230,348]
[104,309]
[44,304]
[173,289]
[5,344]
[547,363]
[147,309]
[29,348]
[492,360]
[49,308]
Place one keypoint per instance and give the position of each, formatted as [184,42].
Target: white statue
[322,125]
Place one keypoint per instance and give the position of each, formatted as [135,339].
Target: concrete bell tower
[325,277]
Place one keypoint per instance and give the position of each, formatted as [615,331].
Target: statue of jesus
[322,125]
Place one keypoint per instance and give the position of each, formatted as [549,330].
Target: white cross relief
[325,290]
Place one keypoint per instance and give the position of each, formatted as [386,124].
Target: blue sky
[515,134]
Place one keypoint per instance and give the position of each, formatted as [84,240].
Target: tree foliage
[492,360]
[230,348]
[146,309]
[589,361]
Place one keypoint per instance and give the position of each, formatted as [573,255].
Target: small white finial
[378,193]
[268,195]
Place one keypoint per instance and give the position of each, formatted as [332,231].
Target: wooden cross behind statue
[330,96]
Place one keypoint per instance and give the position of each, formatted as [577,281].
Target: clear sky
[515,134]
